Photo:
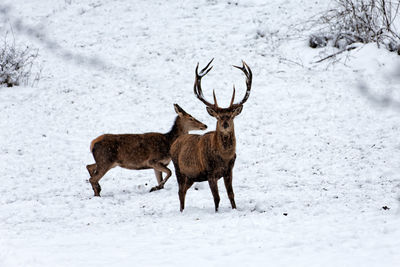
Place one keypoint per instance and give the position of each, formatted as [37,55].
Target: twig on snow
[348,48]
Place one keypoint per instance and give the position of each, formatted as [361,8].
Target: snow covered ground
[317,161]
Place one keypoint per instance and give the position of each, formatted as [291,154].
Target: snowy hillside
[316,160]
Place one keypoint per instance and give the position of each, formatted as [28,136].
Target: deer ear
[237,111]
[179,110]
[211,112]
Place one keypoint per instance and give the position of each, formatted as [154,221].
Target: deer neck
[225,142]
[177,130]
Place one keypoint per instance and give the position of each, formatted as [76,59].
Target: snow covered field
[317,161]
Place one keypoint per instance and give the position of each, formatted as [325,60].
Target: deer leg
[94,180]
[158,176]
[158,166]
[229,189]
[184,184]
[181,183]
[183,188]
[95,185]
[91,169]
[214,190]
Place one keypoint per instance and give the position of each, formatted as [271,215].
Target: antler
[197,85]
[199,92]
[249,77]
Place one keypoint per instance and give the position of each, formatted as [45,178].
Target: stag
[139,151]
[208,157]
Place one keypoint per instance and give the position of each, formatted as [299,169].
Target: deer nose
[225,125]
[204,127]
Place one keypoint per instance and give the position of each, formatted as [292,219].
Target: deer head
[188,122]
[224,116]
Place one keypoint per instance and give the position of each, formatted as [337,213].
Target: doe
[139,151]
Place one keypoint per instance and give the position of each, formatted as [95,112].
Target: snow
[317,160]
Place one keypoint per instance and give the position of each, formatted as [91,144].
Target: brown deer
[139,151]
[208,157]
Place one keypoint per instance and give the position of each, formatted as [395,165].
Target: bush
[362,21]
[16,64]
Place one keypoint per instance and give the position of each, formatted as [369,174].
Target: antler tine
[197,83]
[215,99]
[249,77]
[233,96]
[243,68]
[205,68]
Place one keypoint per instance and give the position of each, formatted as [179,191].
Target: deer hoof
[96,189]
[155,188]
